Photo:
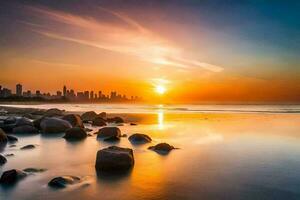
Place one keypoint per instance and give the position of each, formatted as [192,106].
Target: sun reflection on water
[160,119]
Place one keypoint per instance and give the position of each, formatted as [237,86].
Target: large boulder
[99,121]
[2,160]
[37,122]
[3,137]
[12,176]
[75,133]
[53,112]
[25,129]
[74,120]
[10,120]
[139,138]
[22,121]
[114,159]
[54,125]
[108,132]
[162,148]
[63,181]
[88,116]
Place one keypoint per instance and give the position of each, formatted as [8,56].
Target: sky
[220,51]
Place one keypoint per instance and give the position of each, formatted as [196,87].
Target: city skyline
[67,94]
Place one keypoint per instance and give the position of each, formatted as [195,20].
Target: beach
[220,156]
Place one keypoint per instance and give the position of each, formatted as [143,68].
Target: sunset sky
[197,50]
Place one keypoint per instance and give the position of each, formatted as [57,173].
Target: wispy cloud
[127,37]
[54,63]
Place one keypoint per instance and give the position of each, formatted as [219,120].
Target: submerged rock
[75,133]
[99,121]
[9,154]
[74,120]
[63,181]
[88,116]
[162,148]
[133,124]
[3,137]
[54,125]
[115,120]
[3,160]
[29,146]
[139,138]
[12,139]
[25,129]
[114,158]
[12,176]
[108,132]
[34,170]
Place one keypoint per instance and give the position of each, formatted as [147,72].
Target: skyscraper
[19,89]
[65,91]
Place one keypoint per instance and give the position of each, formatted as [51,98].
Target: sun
[160,89]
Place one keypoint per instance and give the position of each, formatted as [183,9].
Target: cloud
[55,63]
[126,37]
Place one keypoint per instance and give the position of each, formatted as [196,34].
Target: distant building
[19,89]
[6,92]
[38,93]
[58,94]
[92,95]
[86,95]
[65,91]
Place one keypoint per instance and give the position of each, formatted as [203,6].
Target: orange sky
[124,49]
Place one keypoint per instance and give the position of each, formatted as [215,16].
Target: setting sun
[160,89]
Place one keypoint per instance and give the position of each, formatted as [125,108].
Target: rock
[25,129]
[98,121]
[124,135]
[108,132]
[9,154]
[133,124]
[114,159]
[23,121]
[115,120]
[88,116]
[34,170]
[139,138]
[63,181]
[12,139]
[10,120]
[88,129]
[12,145]
[29,116]
[12,176]
[30,146]
[162,148]
[37,122]
[53,112]
[3,160]
[112,139]
[75,133]
[54,125]
[102,115]
[74,120]
[3,137]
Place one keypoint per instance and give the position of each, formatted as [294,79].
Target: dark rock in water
[139,138]
[133,124]
[37,122]
[115,120]
[10,120]
[98,121]
[23,121]
[3,160]
[88,116]
[3,137]
[12,176]
[108,132]
[63,181]
[34,170]
[75,133]
[12,139]
[112,139]
[29,116]
[54,125]
[102,115]
[88,129]
[89,135]
[124,135]
[30,146]
[12,145]
[25,129]
[162,148]
[9,154]
[53,112]
[74,120]
[114,159]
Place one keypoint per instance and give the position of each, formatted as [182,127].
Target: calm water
[222,155]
